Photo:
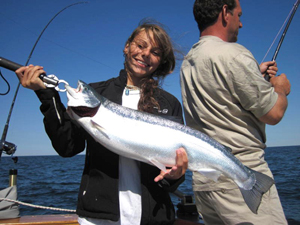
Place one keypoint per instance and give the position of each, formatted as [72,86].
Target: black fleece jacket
[98,195]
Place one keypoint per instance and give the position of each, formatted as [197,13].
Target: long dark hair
[147,100]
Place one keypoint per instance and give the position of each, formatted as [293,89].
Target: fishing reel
[8,148]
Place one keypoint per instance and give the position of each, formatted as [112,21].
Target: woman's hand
[178,170]
[29,77]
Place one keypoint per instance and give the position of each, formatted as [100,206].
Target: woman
[115,189]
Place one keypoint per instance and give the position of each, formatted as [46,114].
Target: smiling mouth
[142,63]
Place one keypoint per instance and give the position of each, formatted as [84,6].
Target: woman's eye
[156,53]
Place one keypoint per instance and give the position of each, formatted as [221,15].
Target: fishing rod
[294,9]
[6,146]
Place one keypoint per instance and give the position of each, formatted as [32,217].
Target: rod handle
[267,77]
[10,65]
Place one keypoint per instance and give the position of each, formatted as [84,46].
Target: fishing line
[61,46]
[8,86]
[3,138]
[277,35]
[294,9]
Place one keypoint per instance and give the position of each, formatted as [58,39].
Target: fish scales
[161,123]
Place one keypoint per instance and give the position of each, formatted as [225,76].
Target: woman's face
[143,57]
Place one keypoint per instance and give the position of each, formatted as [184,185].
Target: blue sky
[86,42]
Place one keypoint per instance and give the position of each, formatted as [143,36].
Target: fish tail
[253,197]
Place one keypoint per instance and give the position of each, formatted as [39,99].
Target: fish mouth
[71,91]
[83,111]
[82,101]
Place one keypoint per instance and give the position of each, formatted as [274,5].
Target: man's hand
[269,68]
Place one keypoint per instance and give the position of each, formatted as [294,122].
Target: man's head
[225,12]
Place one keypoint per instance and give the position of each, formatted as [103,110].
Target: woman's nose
[146,51]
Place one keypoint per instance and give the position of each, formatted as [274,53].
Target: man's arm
[282,87]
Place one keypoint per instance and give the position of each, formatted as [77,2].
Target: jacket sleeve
[177,110]
[67,138]
[171,185]
[170,107]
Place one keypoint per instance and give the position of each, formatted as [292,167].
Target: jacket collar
[122,81]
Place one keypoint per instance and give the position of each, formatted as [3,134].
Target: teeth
[142,63]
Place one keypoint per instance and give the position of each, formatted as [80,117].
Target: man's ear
[225,13]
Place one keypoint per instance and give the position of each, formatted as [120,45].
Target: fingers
[272,70]
[159,177]
[270,63]
[178,170]
[29,77]
[269,68]
[20,72]
[281,84]
[181,160]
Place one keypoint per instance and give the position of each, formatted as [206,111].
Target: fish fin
[100,129]
[159,165]
[253,197]
[211,174]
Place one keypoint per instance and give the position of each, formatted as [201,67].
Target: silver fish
[152,139]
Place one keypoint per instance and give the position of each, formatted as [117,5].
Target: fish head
[83,101]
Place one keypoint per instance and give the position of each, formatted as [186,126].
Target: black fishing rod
[5,146]
[295,7]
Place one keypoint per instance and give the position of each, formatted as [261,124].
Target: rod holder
[13,177]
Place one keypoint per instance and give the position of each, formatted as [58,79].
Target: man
[225,96]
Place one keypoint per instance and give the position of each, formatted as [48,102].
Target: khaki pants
[228,207]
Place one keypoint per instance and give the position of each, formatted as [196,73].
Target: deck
[64,219]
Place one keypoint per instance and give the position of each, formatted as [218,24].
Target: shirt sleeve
[249,87]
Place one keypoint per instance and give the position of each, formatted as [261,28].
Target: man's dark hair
[206,12]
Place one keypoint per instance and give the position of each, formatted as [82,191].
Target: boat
[186,213]
[67,219]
